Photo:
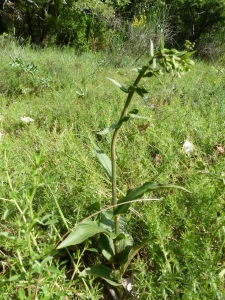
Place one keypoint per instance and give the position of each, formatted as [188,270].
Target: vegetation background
[55,58]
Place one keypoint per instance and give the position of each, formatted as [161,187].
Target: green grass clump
[50,175]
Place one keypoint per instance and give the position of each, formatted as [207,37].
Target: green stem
[113,151]
[59,209]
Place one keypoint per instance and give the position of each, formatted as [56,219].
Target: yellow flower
[139,22]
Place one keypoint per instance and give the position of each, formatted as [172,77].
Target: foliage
[60,22]
[184,257]
[92,25]
[192,19]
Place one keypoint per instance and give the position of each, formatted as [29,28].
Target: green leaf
[21,294]
[137,193]
[139,117]
[119,85]
[140,91]
[94,206]
[107,247]
[92,250]
[124,119]
[108,129]
[104,160]
[45,217]
[107,221]
[120,237]
[47,259]
[134,250]
[53,269]
[103,272]
[17,277]
[82,232]
[39,158]
[149,74]
[118,274]
[8,235]
[52,178]
[126,244]
[133,111]
[51,222]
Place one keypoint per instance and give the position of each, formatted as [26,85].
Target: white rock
[26,119]
[188,147]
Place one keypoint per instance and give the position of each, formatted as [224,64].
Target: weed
[115,242]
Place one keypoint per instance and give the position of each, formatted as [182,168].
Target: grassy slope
[69,97]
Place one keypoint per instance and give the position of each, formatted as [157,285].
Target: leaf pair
[114,276]
[138,193]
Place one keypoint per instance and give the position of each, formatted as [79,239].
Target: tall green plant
[115,242]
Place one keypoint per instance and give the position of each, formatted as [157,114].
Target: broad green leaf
[8,235]
[126,244]
[104,160]
[108,129]
[103,272]
[53,269]
[134,250]
[82,232]
[119,273]
[137,193]
[119,85]
[120,237]
[107,221]
[21,294]
[94,206]
[17,277]
[125,240]
[107,247]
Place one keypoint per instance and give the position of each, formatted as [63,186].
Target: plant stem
[113,151]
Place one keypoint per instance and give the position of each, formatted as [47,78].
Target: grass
[70,98]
